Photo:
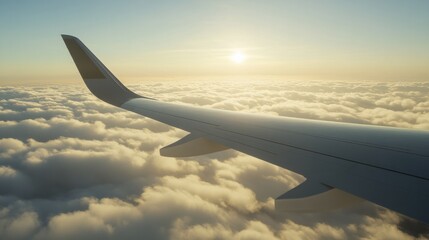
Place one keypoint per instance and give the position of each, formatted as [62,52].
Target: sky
[191,39]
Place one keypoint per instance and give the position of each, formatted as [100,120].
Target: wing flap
[312,196]
[191,145]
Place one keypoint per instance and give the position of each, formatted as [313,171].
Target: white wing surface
[343,163]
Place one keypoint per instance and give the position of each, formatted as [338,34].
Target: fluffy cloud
[73,167]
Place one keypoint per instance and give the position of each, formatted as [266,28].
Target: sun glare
[238,57]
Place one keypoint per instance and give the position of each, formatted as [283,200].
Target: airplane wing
[343,163]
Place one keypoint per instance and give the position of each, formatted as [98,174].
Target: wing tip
[67,36]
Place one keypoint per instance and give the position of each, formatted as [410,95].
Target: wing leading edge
[343,163]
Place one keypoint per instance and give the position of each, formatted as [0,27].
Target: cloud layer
[73,167]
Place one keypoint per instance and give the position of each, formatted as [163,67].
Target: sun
[238,57]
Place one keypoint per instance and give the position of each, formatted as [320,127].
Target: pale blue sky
[364,40]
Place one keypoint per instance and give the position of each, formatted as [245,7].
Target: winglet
[100,81]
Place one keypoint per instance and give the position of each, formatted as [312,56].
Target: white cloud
[73,167]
